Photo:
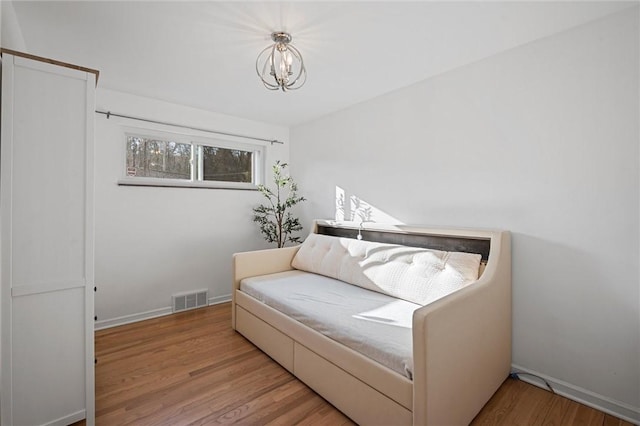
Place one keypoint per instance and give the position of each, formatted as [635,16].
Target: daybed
[454,351]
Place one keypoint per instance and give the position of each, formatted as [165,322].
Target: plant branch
[275,220]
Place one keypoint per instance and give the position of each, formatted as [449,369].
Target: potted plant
[274,218]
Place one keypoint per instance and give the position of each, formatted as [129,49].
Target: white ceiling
[202,54]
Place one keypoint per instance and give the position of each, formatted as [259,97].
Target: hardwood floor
[193,369]
[519,403]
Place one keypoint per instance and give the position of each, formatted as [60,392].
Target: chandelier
[280,66]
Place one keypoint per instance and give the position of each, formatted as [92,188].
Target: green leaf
[274,219]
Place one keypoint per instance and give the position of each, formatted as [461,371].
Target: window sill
[170,183]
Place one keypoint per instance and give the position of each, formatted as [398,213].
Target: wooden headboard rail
[435,241]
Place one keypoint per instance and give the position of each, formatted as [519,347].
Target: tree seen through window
[229,165]
[166,159]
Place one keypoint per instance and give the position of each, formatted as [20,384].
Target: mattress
[373,324]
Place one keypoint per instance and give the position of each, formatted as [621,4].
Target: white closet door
[46,210]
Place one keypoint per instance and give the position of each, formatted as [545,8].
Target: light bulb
[277,62]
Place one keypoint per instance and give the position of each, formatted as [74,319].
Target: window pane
[228,165]
[148,157]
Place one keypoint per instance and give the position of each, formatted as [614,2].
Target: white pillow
[415,274]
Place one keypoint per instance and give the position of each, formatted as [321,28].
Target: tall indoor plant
[275,219]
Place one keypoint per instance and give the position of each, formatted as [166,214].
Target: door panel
[46,218]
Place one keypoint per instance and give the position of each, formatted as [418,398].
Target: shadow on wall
[350,207]
[570,308]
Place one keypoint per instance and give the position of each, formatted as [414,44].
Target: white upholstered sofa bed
[406,326]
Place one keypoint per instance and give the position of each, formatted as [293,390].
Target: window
[227,165]
[170,160]
[155,158]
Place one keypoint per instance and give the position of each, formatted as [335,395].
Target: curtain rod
[109,114]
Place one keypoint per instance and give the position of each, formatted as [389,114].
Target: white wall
[152,242]
[10,33]
[541,140]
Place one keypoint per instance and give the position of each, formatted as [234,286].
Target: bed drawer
[353,397]
[272,342]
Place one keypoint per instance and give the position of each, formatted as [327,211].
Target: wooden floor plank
[193,369]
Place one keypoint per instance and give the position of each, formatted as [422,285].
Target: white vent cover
[191,300]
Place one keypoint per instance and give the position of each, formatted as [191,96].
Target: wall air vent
[191,300]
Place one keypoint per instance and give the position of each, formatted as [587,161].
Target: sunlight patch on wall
[351,208]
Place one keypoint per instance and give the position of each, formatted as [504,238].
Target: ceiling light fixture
[280,66]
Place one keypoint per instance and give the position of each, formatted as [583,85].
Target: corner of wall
[10,32]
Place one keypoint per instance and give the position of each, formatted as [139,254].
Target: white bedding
[373,324]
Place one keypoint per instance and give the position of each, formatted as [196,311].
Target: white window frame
[196,141]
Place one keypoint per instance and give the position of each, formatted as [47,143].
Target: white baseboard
[155,313]
[131,318]
[67,420]
[583,396]
[219,299]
